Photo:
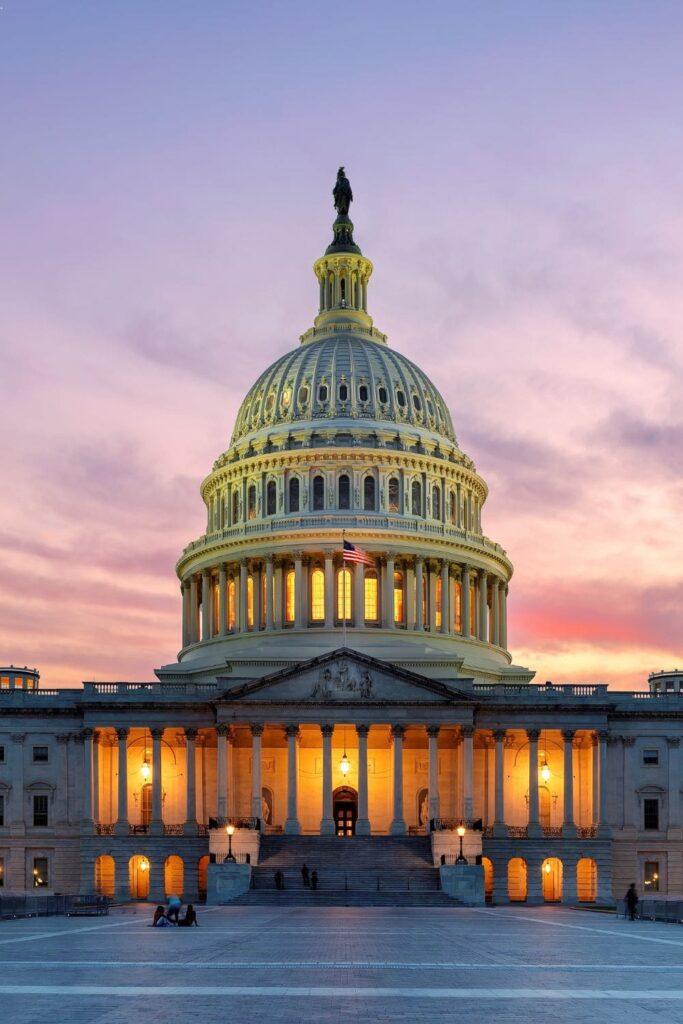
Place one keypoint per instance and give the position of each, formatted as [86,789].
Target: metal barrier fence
[34,905]
[669,910]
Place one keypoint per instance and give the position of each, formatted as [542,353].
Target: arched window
[398,598]
[317,596]
[343,289]
[436,502]
[290,596]
[231,604]
[452,508]
[344,491]
[369,494]
[250,600]
[271,498]
[318,494]
[344,605]
[235,507]
[251,501]
[371,592]
[394,495]
[294,494]
[303,394]
[416,498]
[401,399]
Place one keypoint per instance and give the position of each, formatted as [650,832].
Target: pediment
[345,677]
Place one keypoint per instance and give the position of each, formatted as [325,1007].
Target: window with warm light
[264,594]
[371,588]
[458,606]
[250,600]
[651,876]
[41,877]
[290,596]
[437,597]
[146,804]
[251,502]
[231,604]
[317,595]
[344,609]
[398,598]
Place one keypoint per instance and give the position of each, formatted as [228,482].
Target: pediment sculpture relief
[342,680]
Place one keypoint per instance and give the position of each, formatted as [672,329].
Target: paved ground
[332,964]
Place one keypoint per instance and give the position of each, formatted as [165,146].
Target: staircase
[354,871]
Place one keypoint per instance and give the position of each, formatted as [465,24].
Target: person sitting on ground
[189,919]
[160,920]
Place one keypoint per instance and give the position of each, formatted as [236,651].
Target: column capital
[362,730]
[223,730]
[18,737]
[63,737]
[467,730]
[628,741]
[206,574]
[78,737]
[673,741]
[465,569]
[603,735]
[123,733]
[482,573]
[327,730]
[292,730]
[257,729]
[87,733]
[244,563]
[270,558]
[499,735]
[568,735]
[398,731]
[533,734]
[191,734]
[156,733]
[433,730]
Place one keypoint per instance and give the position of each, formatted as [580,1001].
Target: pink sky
[166,188]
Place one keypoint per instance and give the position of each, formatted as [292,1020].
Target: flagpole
[343,591]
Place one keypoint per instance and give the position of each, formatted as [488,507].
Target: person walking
[631,901]
[314,880]
[305,876]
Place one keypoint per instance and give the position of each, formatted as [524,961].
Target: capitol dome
[343,512]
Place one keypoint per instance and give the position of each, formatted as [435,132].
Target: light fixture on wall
[145,769]
[144,864]
[344,764]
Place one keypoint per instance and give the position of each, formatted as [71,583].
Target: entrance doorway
[345,810]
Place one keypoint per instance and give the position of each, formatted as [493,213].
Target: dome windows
[303,394]
[294,495]
[318,494]
[416,498]
[363,393]
[344,499]
[371,595]
[270,402]
[394,495]
[369,492]
[382,395]
[271,498]
[343,392]
[436,502]
[400,399]
[417,404]
[251,502]
[286,398]
[323,393]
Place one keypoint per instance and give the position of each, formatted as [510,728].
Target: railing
[103,828]
[536,690]
[144,689]
[174,830]
[451,824]
[202,830]
[238,858]
[552,831]
[518,831]
[138,830]
[586,831]
[34,905]
[251,823]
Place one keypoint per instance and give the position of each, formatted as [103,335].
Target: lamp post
[231,856]
[461,859]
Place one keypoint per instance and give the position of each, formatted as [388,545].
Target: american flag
[355,554]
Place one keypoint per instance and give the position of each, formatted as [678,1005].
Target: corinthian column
[292,826]
[327,821]
[534,823]
[483,634]
[363,822]
[465,600]
[398,825]
[568,826]
[156,825]
[433,742]
[121,827]
[190,785]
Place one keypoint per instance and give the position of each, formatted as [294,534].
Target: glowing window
[383,394]
[344,491]
[271,498]
[286,398]
[317,596]
[270,401]
[436,503]
[371,597]
[394,495]
[318,494]
[437,591]
[303,394]
[416,498]
[290,596]
[344,607]
[369,494]
[343,393]
[363,393]
[294,494]
[398,597]
[251,502]
[250,600]
[264,591]
[231,604]
[458,606]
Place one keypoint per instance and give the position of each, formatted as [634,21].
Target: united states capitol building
[344,673]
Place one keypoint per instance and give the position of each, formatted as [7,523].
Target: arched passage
[202,867]
[138,877]
[551,874]
[173,876]
[517,880]
[104,875]
[488,878]
[587,880]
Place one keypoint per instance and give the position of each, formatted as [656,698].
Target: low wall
[226,881]
[464,883]
[244,841]
[447,842]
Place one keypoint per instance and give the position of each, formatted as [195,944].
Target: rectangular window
[40,872]
[2,755]
[651,756]
[4,682]
[2,809]
[2,872]
[40,811]
[40,755]
[651,814]
[651,876]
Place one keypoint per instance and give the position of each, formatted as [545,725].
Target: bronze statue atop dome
[343,196]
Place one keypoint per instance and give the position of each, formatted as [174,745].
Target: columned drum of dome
[345,438]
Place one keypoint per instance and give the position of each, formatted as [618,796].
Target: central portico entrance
[345,810]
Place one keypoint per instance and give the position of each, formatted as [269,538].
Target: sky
[165,188]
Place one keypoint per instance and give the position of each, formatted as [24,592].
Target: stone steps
[322,898]
[384,880]
[353,853]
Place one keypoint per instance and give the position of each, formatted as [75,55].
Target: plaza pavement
[332,964]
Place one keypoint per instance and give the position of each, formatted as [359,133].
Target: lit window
[271,498]
[458,606]
[344,608]
[270,400]
[318,595]
[290,596]
[40,755]
[371,597]
[651,757]
[264,594]
[398,598]
[651,815]
[344,491]
[40,811]
[369,494]
[4,682]
[294,494]
[250,600]
[231,604]
[286,398]
[437,590]
[40,872]
[318,494]
[251,501]
[416,498]
[393,495]
[436,503]
[651,876]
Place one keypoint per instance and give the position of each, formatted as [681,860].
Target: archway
[138,877]
[105,875]
[551,874]
[202,867]
[587,880]
[488,878]
[345,810]
[174,870]
[517,880]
